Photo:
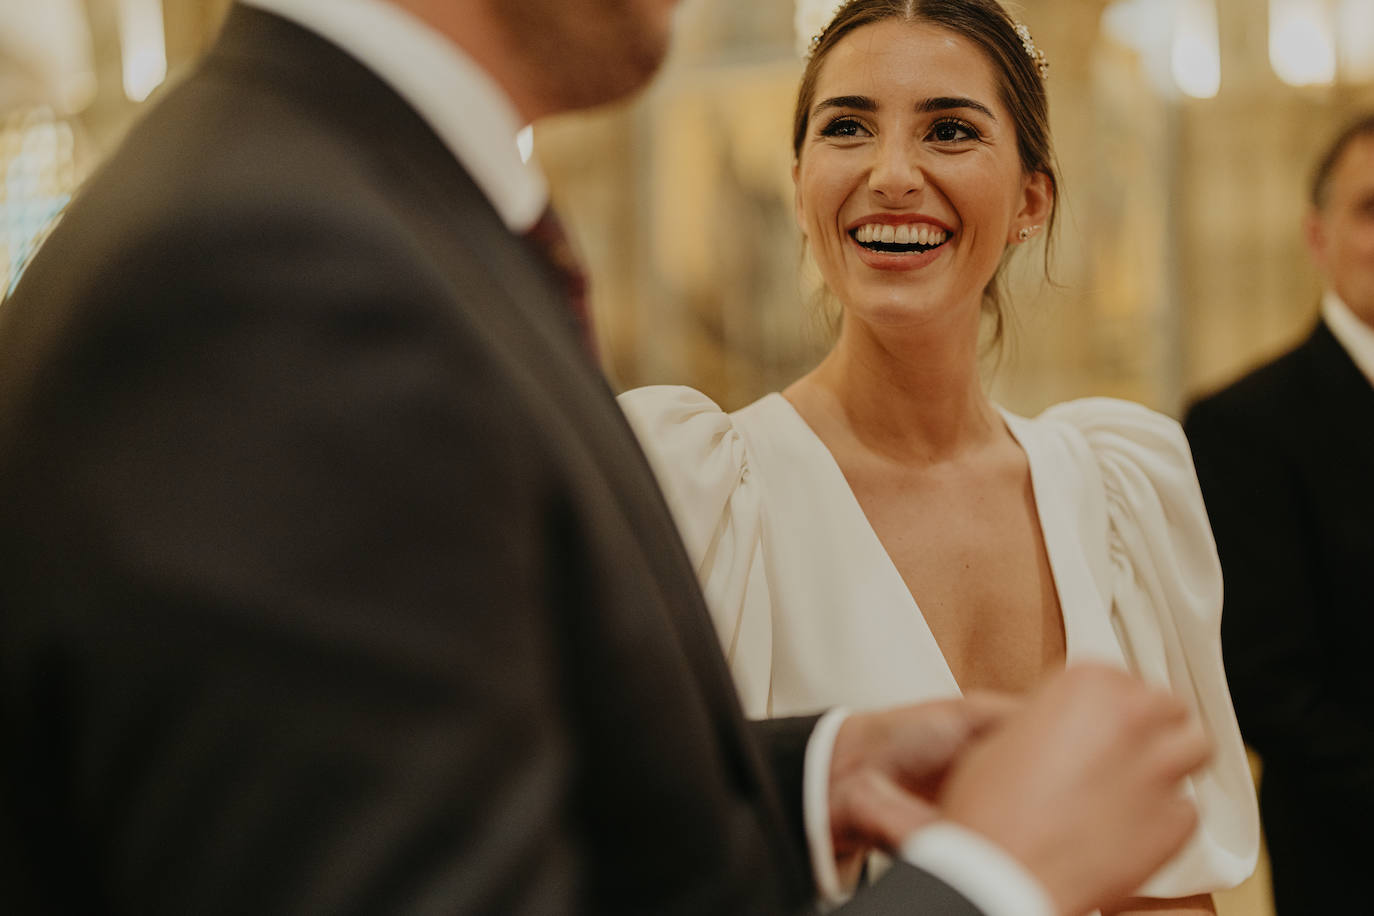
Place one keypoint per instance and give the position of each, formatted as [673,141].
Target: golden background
[1178,260]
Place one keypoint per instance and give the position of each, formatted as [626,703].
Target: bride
[881,532]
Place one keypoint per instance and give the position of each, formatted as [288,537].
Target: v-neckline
[1050,532]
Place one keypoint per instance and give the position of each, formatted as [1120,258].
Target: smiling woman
[1017,88]
[880,532]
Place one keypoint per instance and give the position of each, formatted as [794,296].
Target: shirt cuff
[816,806]
[978,869]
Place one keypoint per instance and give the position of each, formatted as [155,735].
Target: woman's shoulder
[1136,461]
[684,424]
[697,453]
[1112,429]
[658,409]
[1138,453]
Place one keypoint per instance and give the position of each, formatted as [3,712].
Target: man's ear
[1314,233]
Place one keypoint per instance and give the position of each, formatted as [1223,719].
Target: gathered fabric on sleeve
[702,465]
[1161,571]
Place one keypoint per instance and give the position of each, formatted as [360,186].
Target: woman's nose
[896,171]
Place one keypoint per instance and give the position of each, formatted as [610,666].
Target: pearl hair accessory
[1037,56]
[1026,232]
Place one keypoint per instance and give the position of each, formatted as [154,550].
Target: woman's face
[909,182]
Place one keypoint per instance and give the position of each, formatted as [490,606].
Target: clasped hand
[1079,781]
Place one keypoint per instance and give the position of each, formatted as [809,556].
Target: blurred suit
[1286,461]
[331,577]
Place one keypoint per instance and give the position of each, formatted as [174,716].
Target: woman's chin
[899,313]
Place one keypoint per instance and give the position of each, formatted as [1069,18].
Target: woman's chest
[975,562]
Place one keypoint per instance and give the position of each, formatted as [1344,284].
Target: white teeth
[922,234]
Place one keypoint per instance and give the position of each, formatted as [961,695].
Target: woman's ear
[797,196]
[1037,203]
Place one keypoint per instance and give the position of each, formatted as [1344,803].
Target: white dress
[813,614]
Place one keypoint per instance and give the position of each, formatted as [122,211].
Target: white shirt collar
[1353,334]
[459,101]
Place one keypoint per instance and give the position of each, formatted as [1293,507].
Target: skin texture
[900,405]
[898,160]
[553,56]
[1340,235]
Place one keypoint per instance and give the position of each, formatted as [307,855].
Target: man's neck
[474,27]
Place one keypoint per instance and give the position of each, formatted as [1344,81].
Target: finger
[870,808]
[1182,750]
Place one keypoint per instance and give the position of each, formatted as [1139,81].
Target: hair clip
[1036,55]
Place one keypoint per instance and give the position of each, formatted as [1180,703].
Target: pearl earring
[1026,232]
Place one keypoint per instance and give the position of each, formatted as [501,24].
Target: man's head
[1340,225]
[552,56]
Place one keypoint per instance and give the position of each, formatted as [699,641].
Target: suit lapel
[1341,422]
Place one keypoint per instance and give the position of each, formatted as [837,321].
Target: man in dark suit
[333,581]
[1286,460]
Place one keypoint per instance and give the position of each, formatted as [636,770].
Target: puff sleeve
[1161,571]
[702,466]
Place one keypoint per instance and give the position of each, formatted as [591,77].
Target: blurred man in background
[1286,460]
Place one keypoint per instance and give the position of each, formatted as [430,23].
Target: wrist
[982,871]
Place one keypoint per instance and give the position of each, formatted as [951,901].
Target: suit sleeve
[282,582]
[1288,706]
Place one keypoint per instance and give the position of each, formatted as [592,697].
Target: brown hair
[986,24]
[1321,178]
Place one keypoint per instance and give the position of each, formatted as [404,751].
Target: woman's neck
[911,398]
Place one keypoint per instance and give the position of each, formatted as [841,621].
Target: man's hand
[887,767]
[1082,785]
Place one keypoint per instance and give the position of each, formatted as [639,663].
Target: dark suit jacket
[331,578]
[1286,460]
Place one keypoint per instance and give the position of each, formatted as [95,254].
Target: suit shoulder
[1272,388]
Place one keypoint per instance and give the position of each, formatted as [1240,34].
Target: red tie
[548,236]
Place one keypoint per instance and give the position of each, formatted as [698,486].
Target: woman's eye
[952,131]
[843,127]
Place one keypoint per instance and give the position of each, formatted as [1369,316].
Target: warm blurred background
[1185,129]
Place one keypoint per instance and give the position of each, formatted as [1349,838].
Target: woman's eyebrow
[856,102]
[947,103]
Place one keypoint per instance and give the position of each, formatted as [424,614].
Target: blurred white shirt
[464,106]
[1353,334]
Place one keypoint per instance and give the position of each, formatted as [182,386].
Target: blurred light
[143,47]
[1301,45]
[524,141]
[1147,27]
[47,56]
[1196,56]
[1355,36]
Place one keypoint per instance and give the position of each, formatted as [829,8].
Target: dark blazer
[1286,460]
[331,578]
